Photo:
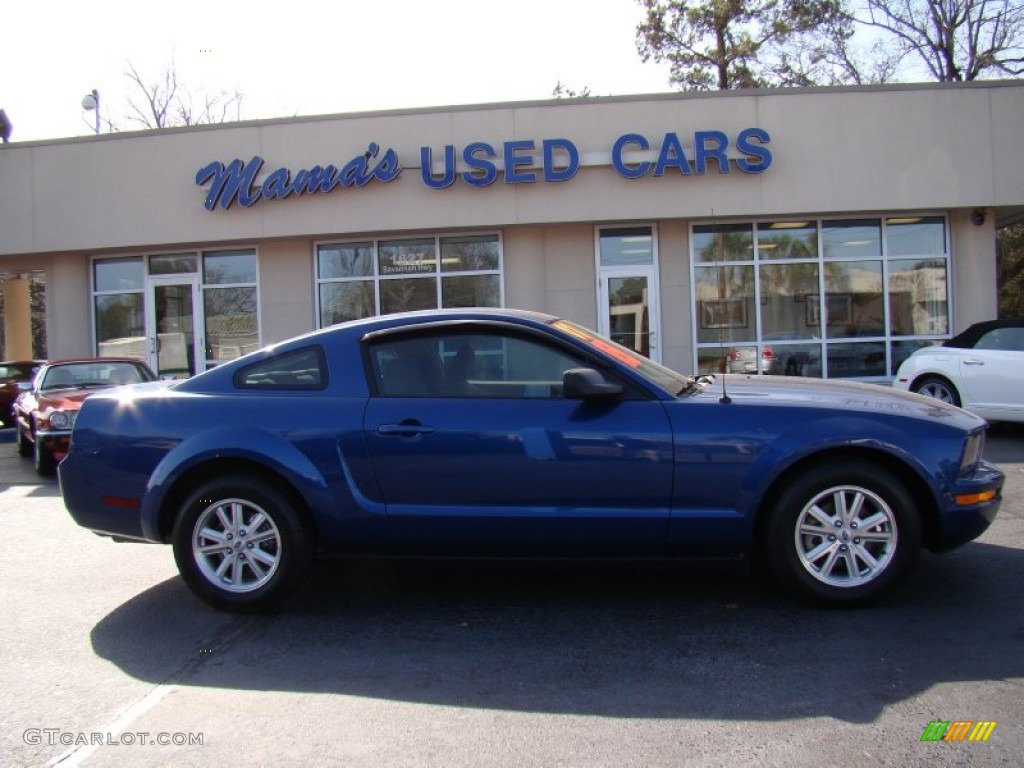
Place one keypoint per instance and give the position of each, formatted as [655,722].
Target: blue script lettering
[236,181]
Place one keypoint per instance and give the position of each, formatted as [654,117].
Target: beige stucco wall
[836,150]
[286,289]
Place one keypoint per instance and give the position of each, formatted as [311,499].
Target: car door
[471,440]
[991,373]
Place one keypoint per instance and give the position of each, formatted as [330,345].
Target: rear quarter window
[299,369]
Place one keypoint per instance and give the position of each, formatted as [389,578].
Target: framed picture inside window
[723,313]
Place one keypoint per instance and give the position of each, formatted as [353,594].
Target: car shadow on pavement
[617,640]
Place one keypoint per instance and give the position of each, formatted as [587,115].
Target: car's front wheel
[45,463]
[843,532]
[24,444]
[939,388]
[241,545]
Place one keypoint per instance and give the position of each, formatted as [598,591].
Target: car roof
[71,360]
[968,338]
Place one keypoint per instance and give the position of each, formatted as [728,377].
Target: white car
[981,370]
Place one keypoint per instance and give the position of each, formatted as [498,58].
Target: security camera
[977,217]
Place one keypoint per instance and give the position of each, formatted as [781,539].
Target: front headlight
[974,445]
[62,419]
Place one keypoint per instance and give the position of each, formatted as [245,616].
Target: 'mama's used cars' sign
[480,164]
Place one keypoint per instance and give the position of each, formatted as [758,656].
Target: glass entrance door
[627,287]
[172,328]
[626,310]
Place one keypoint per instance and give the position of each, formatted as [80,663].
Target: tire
[45,464]
[24,444]
[826,554]
[939,388]
[228,563]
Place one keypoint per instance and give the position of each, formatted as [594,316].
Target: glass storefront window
[407,295]
[854,303]
[787,240]
[120,325]
[723,242]
[875,290]
[785,312]
[626,246]
[475,253]
[341,302]
[174,264]
[725,303]
[363,279]
[851,238]
[348,260]
[229,267]
[407,257]
[231,325]
[915,235]
[118,274]
[917,297]
[470,291]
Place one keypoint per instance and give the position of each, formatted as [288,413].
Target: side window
[296,370]
[470,365]
[1005,339]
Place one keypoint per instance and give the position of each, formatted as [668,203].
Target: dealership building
[816,232]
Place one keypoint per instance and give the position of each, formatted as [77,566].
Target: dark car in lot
[501,432]
[45,412]
[15,378]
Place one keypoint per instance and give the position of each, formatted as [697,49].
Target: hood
[837,395]
[68,399]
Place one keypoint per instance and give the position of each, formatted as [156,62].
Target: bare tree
[956,39]
[164,102]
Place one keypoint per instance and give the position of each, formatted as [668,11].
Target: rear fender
[252,444]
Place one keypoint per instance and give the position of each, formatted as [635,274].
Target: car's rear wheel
[843,532]
[241,545]
[939,388]
[45,463]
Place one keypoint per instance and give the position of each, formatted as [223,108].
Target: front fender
[247,443]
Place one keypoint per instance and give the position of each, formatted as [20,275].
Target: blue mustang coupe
[496,432]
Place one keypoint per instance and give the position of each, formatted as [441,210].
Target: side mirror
[588,384]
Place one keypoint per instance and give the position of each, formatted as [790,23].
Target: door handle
[974,362]
[404,429]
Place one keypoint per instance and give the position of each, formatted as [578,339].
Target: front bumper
[961,523]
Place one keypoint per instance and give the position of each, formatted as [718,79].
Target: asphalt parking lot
[107,655]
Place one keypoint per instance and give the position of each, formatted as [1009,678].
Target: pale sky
[298,57]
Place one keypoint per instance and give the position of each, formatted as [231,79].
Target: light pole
[91,101]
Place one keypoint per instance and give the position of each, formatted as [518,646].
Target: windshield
[654,372]
[93,374]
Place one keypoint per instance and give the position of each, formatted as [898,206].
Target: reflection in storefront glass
[407,294]
[120,327]
[472,253]
[723,242]
[340,302]
[786,290]
[626,246]
[118,274]
[857,359]
[851,238]
[229,267]
[787,240]
[917,297]
[231,329]
[854,303]
[725,303]
[470,291]
[345,260]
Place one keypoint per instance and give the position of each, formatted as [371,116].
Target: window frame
[891,341]
[438,274]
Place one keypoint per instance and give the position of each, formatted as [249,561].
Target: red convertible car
[45,413]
